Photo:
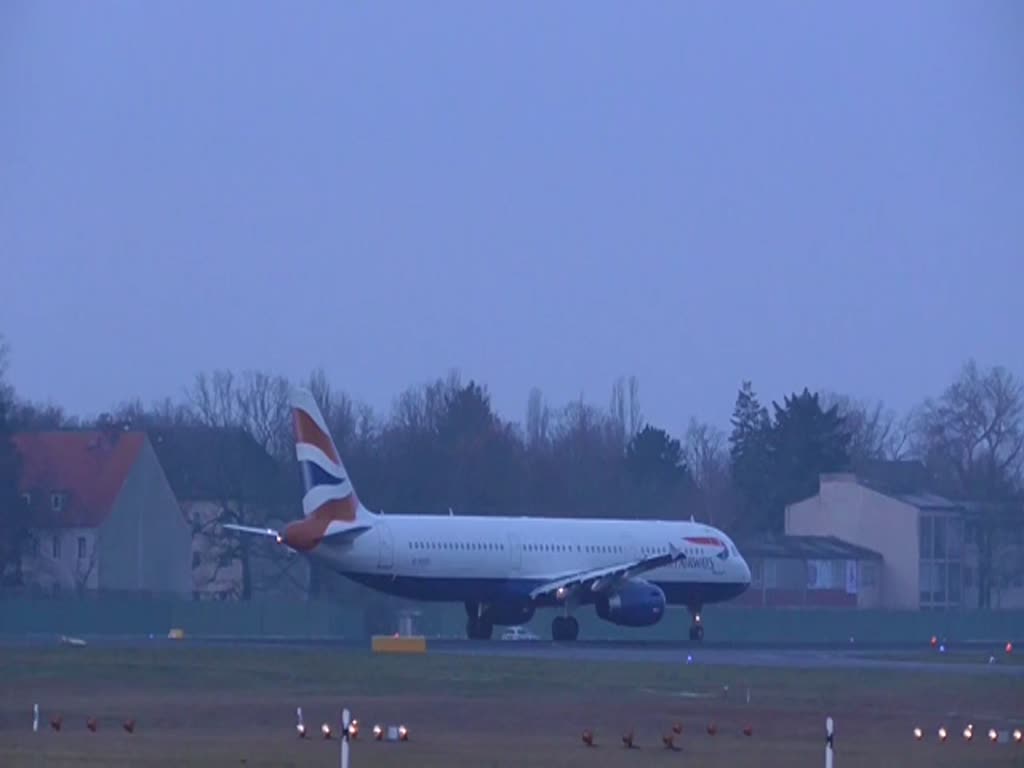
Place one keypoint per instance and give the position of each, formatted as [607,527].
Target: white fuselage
[496,559]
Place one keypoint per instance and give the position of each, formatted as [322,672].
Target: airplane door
[515,553]
[386,552]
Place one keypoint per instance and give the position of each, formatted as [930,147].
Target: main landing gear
[479,628]
[479,623]
[696,628]
[564,629]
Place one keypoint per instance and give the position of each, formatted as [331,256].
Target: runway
[973,661]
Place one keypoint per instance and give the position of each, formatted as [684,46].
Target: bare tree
[707,454]
[975,432]
[972,438]
[6,390]
[636,422]
[261,401]
[214,400]
[538,420]
[876,432]
[626,418]
[35,417]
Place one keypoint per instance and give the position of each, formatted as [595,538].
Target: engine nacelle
[637,603]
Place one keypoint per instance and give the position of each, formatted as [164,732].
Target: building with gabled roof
[221,474]
[102,514]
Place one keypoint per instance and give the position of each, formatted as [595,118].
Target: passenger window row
[608,549]
[465,546]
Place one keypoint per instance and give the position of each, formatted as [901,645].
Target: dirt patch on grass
[252,724]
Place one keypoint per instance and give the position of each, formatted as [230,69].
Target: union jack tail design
[328,494]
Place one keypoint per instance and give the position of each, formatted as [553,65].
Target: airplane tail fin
[328,493]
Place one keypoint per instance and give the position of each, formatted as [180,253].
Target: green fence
[357,620]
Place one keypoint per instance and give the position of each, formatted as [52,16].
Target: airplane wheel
[697,633]
[564,629]
[478,629]
[572,628]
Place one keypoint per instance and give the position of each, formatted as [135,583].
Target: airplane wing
[599,579]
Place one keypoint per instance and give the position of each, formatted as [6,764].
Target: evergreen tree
[656,468]
[749,450]
[805,441]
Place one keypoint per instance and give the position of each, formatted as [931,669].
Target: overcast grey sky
[549,194]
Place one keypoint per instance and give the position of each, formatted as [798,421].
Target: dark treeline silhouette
[442,446]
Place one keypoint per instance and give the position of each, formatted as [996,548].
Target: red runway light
[91,724]
[712,729]
[627,740]
[588,738]
[55,722]
[129,726]
[748,731]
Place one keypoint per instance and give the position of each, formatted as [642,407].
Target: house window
[940,568]
[81,547]
[27,498]
[56,547]
[57,501]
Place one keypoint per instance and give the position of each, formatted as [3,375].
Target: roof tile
[89,466]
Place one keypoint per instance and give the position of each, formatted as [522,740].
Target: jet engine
[637,603]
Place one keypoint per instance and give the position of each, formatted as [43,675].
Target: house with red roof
[103,515]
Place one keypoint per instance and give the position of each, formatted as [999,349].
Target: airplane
[504,568]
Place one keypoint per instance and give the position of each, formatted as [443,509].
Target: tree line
[443,447]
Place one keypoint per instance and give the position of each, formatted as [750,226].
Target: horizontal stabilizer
[250,529]
[335,534]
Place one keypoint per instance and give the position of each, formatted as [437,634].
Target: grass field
[973,656]
[228,707]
